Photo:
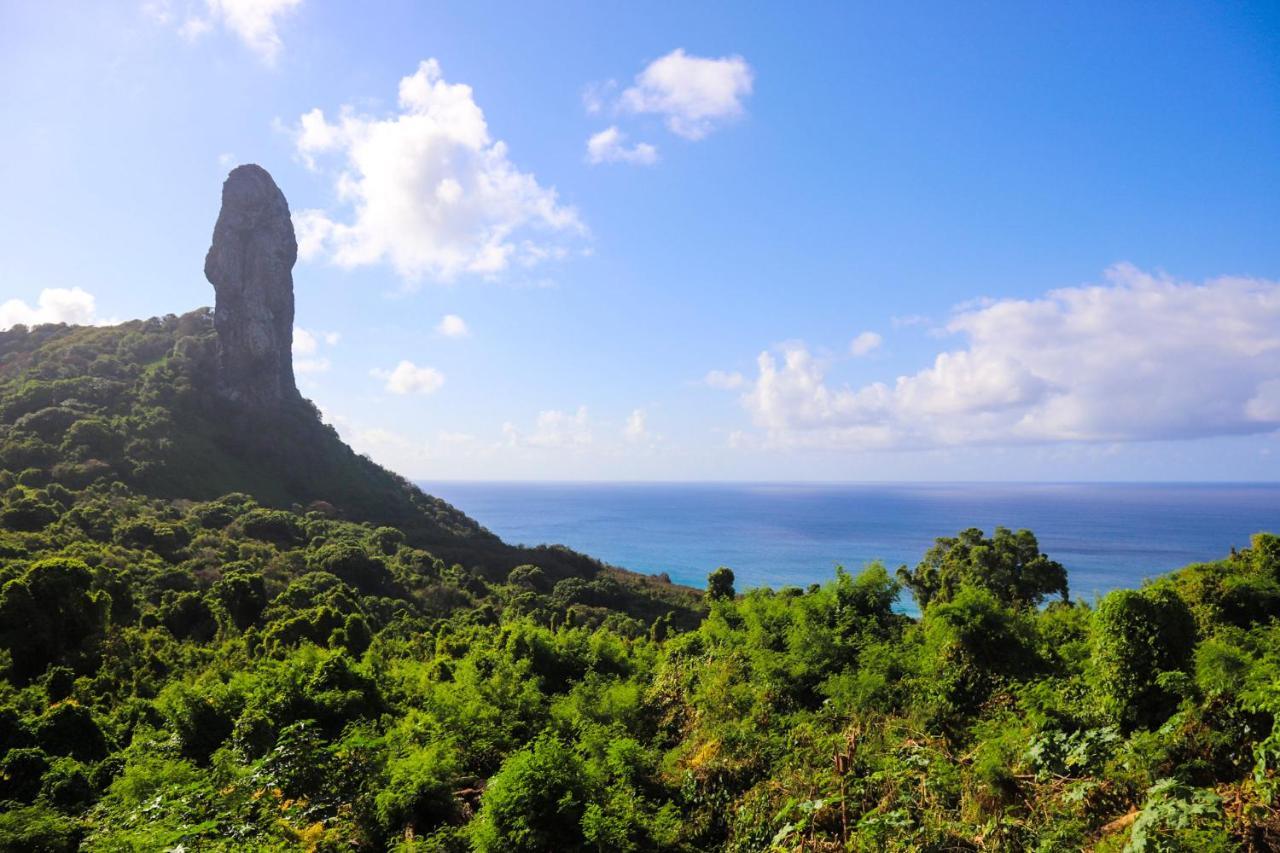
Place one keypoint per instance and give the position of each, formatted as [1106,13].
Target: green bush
[71,729]
[51,614]
[535,803]
[38,829]
[720,584]
[21,772]
[1138,636]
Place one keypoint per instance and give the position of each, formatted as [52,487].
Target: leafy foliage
[219,636]
[1009,565]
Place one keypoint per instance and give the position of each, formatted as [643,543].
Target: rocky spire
[250,266]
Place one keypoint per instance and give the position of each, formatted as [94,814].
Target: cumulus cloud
[429,191]
[693,94]
[609,146]
[255,22]
[724,379]
[865,343]
[409,378]
[553,429]
[1140,357]
[307,350]
[453,326]
[54,305]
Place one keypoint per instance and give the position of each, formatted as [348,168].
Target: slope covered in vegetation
[137,404]
[219,634]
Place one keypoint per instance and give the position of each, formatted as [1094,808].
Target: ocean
[775,534]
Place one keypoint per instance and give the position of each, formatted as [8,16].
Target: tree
[1264,554]
[70,729]
[350,562]
[529,577]
[418,793]
[1010,565]
[388,540]
[975,642]
[865,602]
[720,584]
[273,525]
[20,773]
[1137,637]
[242,592]
[535,802]
[28,513]
[189,617]
[51,614]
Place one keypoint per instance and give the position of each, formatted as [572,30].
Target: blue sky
[834,241]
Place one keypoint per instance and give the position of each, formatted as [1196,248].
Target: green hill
[86,407]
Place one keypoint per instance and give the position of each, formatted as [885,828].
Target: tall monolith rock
[250,265]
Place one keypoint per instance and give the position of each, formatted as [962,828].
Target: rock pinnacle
[250,265]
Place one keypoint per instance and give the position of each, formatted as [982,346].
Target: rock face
[250,266]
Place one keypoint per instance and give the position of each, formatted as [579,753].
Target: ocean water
[1107,535]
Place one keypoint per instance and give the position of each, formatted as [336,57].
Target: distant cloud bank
[1142,357]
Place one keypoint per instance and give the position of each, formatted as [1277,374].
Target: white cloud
[430,192]
[608,146]
[724,380]
[453,326]
[554,429]
[54,305]
[635,430]
[1142,357]
[255,22]
[409,378]
[304,343]
[865,343]
[693,94]
[306,350]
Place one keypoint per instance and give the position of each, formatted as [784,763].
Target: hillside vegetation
[223,630]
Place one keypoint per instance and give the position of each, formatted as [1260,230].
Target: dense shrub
[1140,636]
[50,614]
[536,802]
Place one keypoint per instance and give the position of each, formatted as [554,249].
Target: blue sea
[1107,535]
